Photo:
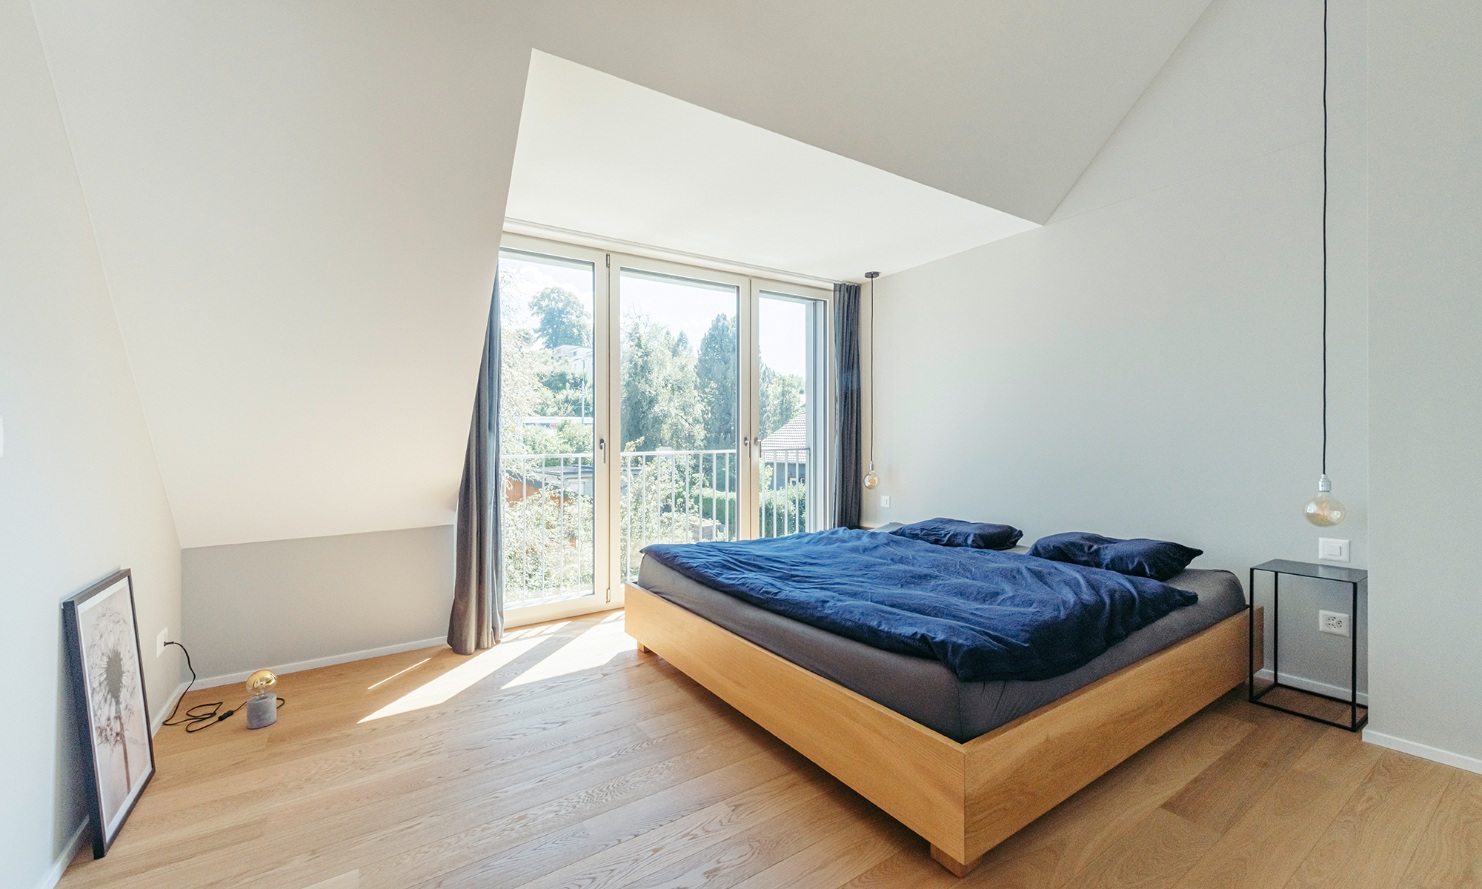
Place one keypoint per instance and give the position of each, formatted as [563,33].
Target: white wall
[255,605]
[1147,364]
[80,492]
[1425,179]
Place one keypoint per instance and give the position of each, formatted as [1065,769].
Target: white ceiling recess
[1002,102]
[298,205]
[601,155]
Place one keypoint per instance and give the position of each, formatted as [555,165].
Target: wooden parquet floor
[562,758]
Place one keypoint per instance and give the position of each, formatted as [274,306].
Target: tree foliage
[660,401]
[781,399]
[715,370]
[674,396]
[563,318]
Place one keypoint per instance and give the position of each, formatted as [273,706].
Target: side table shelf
[1355,578]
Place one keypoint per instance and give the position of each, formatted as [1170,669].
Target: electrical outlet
[1332,550]
[1334,622]
[884,501]
[160,640]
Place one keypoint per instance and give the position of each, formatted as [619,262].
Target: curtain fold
[848,471]
[477,621]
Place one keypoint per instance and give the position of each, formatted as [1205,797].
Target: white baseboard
[347,657]
[164,712]
[1322,688]
[1424,751]
[69,852]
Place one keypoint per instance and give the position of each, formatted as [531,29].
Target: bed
[963,777]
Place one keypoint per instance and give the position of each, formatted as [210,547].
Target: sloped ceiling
[298,205]
[666,173]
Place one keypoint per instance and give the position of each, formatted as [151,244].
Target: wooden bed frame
[964,799]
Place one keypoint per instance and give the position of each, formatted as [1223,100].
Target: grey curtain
[477,621]
[848,471]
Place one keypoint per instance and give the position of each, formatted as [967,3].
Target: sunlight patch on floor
[399,673]
[462,677]
[590,650]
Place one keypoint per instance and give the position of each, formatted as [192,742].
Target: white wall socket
[1332,550]
[884,501]
[1335,622]
[160,640]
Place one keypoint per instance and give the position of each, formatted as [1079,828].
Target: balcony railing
[666,497]
[548,527]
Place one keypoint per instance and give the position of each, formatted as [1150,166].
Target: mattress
[924,689]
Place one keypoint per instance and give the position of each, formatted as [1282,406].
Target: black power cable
[201,716]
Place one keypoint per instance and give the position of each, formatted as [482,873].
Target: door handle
[602,446]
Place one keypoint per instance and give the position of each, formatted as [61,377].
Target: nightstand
[1324,708]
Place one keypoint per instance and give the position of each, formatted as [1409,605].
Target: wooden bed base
[964,799]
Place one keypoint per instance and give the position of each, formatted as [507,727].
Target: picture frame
[102,631]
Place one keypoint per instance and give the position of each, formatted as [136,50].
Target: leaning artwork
[108,688]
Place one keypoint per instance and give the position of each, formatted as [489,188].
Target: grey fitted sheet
[924,689]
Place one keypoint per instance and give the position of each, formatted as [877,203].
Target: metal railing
[674,497]
[548,527]
[666,497]
[784,484]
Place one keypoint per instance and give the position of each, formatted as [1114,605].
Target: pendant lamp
[872,478]
[1324,510]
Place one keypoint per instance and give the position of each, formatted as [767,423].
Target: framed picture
[108,686]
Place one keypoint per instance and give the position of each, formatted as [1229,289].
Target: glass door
[554,522]
[680,473]
[792,411]
[648,402]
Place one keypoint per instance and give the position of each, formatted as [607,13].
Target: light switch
[884,501]
[1332,550]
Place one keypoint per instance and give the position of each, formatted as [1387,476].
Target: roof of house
[793,436]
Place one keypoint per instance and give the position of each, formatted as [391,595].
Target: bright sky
[682,306]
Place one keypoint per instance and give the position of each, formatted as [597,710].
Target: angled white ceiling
[1002,102]
[601,155]
[297,205]
[298,208]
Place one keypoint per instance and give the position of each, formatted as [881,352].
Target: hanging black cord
[872,276]
[1325,237]
[201,715]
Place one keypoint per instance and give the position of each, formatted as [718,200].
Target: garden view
[678,457]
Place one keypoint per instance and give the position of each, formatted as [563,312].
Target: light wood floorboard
[562,758]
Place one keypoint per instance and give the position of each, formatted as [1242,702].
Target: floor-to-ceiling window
[644,402]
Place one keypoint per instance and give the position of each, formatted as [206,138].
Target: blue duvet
[985,614]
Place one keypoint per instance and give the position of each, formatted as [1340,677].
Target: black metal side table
[1355,578]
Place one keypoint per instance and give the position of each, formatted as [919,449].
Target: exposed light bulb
[1325,510]
[872,480]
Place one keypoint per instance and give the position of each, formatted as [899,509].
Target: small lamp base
[262,711]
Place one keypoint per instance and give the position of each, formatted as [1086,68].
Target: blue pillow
[955,532]
[1158,559]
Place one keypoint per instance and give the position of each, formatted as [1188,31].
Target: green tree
[781,399]
[521,391]
[660,405]
[563,318]
[715,371]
